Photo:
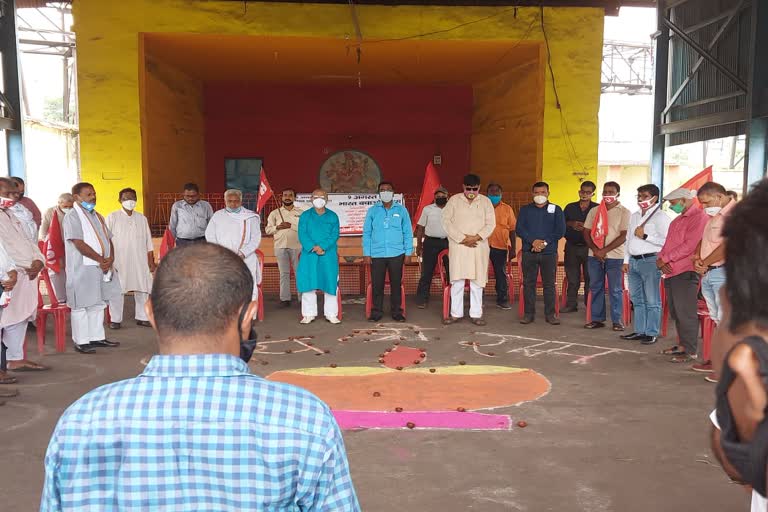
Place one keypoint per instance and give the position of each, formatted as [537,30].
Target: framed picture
[350,171]
[243,174]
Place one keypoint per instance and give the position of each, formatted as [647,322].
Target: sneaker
[711,378]
[307,320]
[375,317]
[333,319]
[526,320]
[569,309]
[504,305]
[398,317]
[705,367]
[553,320]
[285,303]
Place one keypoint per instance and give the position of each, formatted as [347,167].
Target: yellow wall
[108,67]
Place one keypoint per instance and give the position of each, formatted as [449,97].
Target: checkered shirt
[197,433]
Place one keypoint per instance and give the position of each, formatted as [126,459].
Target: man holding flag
[605,232]
[431,237]
[283,225]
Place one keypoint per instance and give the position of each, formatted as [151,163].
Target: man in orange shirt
[502,242]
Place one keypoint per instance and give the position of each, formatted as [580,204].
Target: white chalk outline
[261,346]
[390,331]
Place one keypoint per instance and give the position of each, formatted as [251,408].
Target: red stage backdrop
[295,128]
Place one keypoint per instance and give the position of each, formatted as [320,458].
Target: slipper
[673,351]
[682,359]
[29,367]
[8,380]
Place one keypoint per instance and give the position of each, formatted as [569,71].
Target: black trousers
[499,263]
[429,251]
[183,242]
[533,263]
[681,296]
[575,264]
[379,269]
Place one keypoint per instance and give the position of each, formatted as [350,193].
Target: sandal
[7,379]
[675,350]
[29,366]
[685,358]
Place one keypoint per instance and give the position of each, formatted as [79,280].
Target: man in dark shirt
[576,250]
[540,225]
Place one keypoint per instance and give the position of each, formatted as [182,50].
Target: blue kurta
[318,272]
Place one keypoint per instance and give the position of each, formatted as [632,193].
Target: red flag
[53,249]
[600,227]
[697,181]
[167,243]
[431,183]
[265,191]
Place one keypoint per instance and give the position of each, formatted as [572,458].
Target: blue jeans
[644,281]
[710,289]
[598,270]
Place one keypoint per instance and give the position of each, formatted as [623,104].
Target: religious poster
[350,171]
[351,209]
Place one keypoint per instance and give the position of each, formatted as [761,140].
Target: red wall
[295,128]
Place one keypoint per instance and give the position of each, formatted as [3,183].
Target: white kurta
[27,220]
[132,240]
[241,234]
[460,218]
[23,252]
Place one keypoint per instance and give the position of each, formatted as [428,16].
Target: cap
[441,189]
[680,193]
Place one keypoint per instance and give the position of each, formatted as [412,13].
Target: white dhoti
[13,336]
[475,299]
[309,305]
[117,304]
[88,324]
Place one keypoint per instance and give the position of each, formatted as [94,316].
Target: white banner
[351,209]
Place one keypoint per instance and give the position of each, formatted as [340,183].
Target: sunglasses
[471,188]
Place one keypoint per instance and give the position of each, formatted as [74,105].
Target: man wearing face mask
[283,225]
[26,202]
[646,234]
[387,240]
[22,213]
[502,242]
[224,438]
[319,263]
[91,278]
[64,206]
[469,220]
[134,258]
[541,226]
[431,240]
[239,230]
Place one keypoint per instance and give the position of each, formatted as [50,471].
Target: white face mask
[540,199]
[386,196]
[319,203]
[66,210]
[129,204]
[713,210]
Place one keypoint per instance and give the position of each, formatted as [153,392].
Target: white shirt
[432,220]
[656,228]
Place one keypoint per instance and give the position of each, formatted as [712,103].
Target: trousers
[575,267]
[88,324]
[682,291]
[286,259]
[429,251]
[12,337]
[533,264]
[380,267]
[644,282]
[475,299]
[117,304]
[309,305]
[598,270]
[499,262]
[710,289]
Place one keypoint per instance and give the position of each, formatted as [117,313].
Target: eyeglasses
[471,188]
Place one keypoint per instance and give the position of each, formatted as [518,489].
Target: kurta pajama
[132,240]
[317,272]
[240,233]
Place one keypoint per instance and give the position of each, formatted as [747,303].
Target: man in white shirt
[431,239]
[283,225]
[646,235]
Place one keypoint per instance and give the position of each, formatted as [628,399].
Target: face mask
[247,346]
[540,199]
[318,203]
[645,204]
[386,196]
[677,207]
[441,201]
[470,194]
[287,202]
[88,206]
[495,199]
[749,459]
[610,199]
[713,210]
[66,210]
[6,202]
[234,210]
[129,204]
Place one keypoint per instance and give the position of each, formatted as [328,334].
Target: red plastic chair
[539,284]
[511,292]
[369,290]
[260,296]
[564,288]
[58,310]
[338,293]
[626,304]
[444,282]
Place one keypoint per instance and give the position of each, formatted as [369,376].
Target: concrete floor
[624,431]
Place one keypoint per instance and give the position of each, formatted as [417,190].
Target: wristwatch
[645,237]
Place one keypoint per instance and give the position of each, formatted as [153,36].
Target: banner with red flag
[600,227]
[53,249]
[167,243]
[431,183]
[265,191]
[697,181]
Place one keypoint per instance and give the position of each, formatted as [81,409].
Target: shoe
[115,326]
[632,337]
[307,320]
[504,305]
[105,343]
[333,319]
[618,327]
[398,317]
[705,367]
[526,320]
[450,320]
[553,320]
[594,325]
[569,309]
[85,348]
[478,321]
[649,340]
[143,323]
[711,378]
[374,317]
[422,305]
[285,303]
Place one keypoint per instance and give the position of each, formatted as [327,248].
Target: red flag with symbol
[431,183]
[54,245]
[600,226]
[167,243]
[265,191]
[697,181]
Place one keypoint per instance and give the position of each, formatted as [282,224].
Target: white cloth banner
[351,209]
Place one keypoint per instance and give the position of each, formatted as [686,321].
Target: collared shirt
[573,212]
[284,238]
[197,432]
[618,221]
[656,228]
[713,235]
[682,238]
[19,247]
[188,221]
[387,231]
[546,223]
[432,220]
[505,222]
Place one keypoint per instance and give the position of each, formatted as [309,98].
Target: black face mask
[441,201]
[287,202]
[247,346]
[749,459]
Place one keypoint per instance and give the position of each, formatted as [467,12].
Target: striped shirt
[197,433]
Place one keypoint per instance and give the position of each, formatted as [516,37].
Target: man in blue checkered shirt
[197,431]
